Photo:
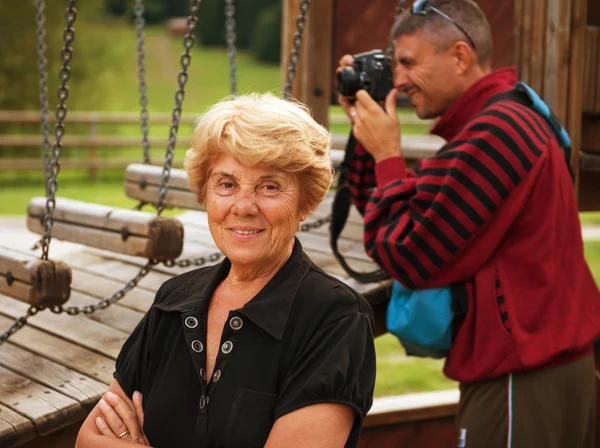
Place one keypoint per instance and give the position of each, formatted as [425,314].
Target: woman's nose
[245,204]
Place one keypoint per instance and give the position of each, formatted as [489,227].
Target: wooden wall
[363,25]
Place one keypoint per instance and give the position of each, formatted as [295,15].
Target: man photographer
[493,210]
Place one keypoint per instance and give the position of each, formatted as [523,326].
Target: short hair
[464,12]
[261,129]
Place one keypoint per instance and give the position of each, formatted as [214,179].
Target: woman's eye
[227,185]
[270,188]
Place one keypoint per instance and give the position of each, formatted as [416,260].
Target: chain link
[139,25]
[196,262]
[105,303]
[59,128]
[295,53]
[18,324]
[231,37]
[40,20]
[308,226]
[188,42]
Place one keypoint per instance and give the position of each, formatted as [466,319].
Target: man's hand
[378,130]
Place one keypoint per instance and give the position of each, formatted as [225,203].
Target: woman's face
[253,213]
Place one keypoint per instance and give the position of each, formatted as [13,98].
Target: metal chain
[308,226]
[59,128]
[295,53]
[40,20]
[188,42]
[199,261]
[139,25]
[231,37]
[105,303]
[18,324]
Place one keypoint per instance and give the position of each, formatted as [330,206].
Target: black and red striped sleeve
[442,226]
[361,176]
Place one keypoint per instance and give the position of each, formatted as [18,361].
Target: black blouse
[305,338]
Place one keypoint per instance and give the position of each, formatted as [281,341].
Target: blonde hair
[261,129]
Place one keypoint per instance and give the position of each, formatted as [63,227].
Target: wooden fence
[92,141]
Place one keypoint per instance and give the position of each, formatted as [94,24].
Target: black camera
[371,71]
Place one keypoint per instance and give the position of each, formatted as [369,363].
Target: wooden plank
[152,175]
[174,197]
[94,215]
[576,79]
[14,428]
[74,385]
[412,408]
[526,36]
[146,234]
[316,64]
[59,350]
[591,77]
[556,83]
[590,140]
[79,330]
[35,164]
[413,146]
[518,35]
[538,43]
[46,408]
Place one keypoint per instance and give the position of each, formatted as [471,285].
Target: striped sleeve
[440,227]
[361,176]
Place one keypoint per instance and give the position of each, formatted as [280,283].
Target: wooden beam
[316,67]
[518,36]
[142,182]
[126,231]
[591,79]
[556,70]
[41,283]
[591,134]
[538,30]
[575,87]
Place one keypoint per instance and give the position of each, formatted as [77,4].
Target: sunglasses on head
[423,7]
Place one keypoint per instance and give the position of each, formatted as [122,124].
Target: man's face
[426,74]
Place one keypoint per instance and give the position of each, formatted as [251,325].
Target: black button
[236,323]
[216,376]
[227,347]
[197,346]
[203,374]
[191,322]
[202,402]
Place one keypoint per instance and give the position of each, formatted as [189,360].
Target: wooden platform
[53,371]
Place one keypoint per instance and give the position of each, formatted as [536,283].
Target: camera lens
[349,81]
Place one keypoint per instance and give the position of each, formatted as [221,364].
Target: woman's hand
[120,420]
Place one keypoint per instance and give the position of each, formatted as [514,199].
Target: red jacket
[495,209]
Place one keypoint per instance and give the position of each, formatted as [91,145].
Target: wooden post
[558,39]
[312,85]
[290,12]
[92,154]
[576,86]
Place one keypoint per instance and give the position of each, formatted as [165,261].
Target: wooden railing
[92,140]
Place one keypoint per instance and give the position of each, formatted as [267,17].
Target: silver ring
[353,113]
[123,434]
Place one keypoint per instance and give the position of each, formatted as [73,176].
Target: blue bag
[423,320]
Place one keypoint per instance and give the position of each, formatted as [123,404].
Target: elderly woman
[263,349]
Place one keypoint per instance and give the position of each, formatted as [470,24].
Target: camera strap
[340,210]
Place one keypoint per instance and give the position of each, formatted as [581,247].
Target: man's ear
[465,56]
